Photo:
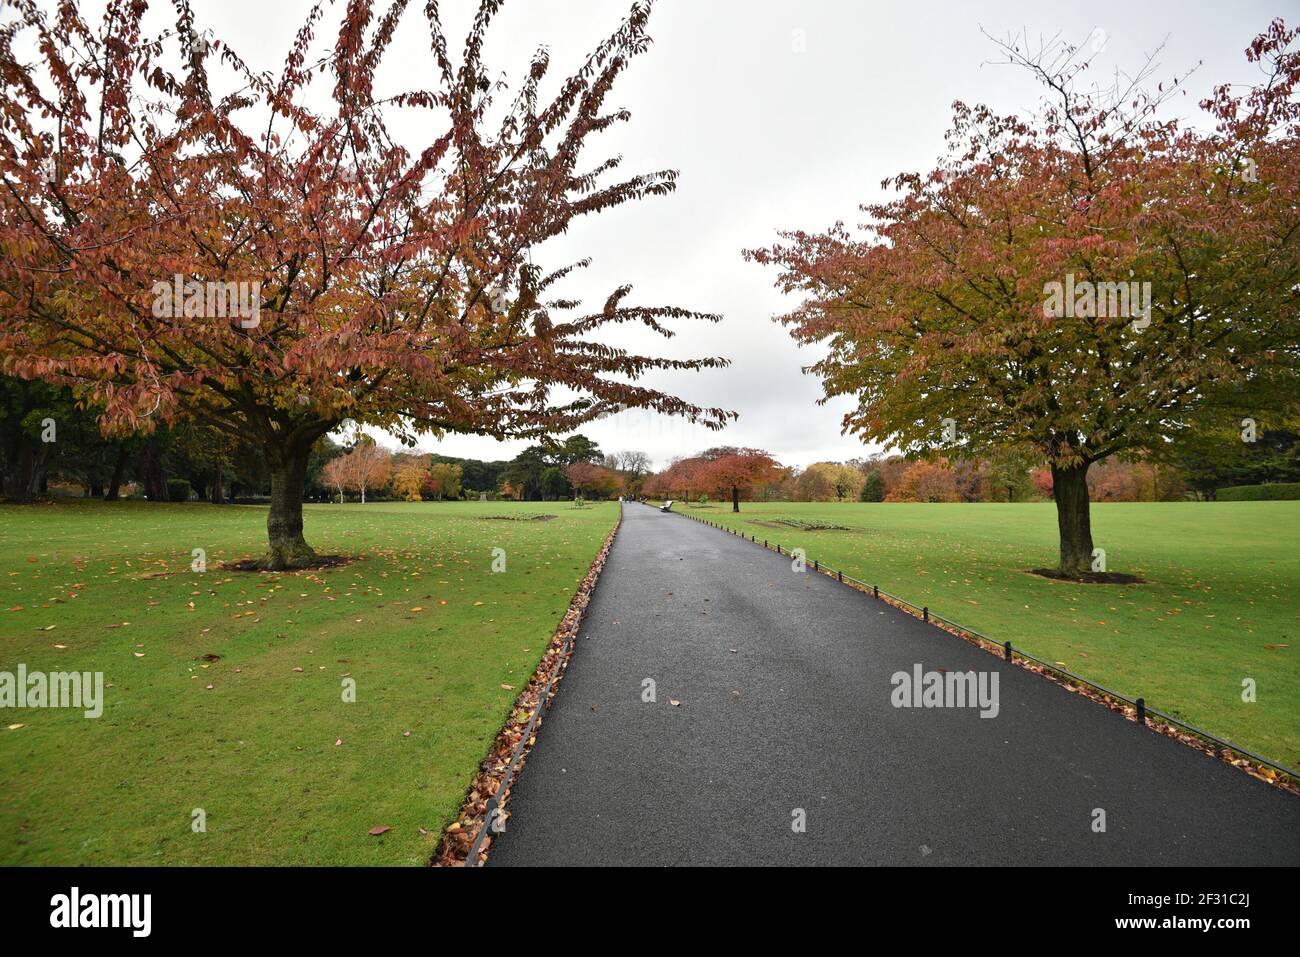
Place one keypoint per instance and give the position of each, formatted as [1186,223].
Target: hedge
[178,490]
[1276,491]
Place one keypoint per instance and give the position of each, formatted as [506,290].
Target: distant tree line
[1198,472]
[51,445]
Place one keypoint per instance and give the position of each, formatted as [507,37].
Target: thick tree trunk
[119,470]
[18,482]
[218,476]
[152,475]
[735,499]
[32,466]
[1070,489]
[286,546]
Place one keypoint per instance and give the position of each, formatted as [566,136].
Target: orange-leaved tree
[187,237]
[733,473]
[1093,280]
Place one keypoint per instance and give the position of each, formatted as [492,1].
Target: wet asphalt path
[784,687]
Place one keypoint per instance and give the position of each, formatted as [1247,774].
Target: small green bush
[1277,491]
[178,490]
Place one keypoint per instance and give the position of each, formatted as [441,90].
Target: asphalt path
[785,716]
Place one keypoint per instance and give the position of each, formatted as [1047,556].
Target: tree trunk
[286,546]
[151,472]
[119,470]
[37,479]
[218,476]
[19,482]
[735,499]
[1070,489]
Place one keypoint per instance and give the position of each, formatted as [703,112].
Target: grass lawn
[429,633]
[1221,604]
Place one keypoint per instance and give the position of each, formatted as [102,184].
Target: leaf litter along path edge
[509,752]
[784,682]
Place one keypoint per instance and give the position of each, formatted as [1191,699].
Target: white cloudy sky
[767,137]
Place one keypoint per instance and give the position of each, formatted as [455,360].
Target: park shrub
[178,490]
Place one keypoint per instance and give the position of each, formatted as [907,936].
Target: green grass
[257,751]
[1221,603]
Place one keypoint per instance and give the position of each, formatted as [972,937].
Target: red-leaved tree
[735,472]
[187,237]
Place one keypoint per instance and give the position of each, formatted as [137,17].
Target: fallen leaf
[382,828]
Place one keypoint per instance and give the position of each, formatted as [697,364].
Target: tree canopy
[188,237]
[1092,280]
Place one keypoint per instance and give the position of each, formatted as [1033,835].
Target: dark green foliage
[873,489]
[179,490]
[1273,492]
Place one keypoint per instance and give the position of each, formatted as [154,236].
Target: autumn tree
[368,465]
[812,485]
[335,475]
[735,473]
[1092,280]
[444,480]
[408,476]
[592,479]
[844,481]
[678,480]
[185,236]
[926,481]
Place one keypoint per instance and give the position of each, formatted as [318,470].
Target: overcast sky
[778,114]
